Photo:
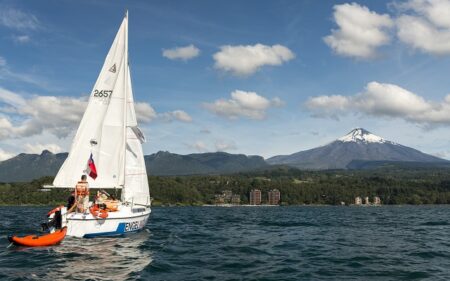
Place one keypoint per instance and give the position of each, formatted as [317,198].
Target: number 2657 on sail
[102,93]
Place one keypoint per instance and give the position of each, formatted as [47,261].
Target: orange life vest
[98,213]
[81,188]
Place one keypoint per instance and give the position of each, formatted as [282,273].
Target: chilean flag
[90,169]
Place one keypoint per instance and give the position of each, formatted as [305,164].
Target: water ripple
[286,243]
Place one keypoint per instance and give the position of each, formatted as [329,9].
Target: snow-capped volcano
[358,145]
[362,135]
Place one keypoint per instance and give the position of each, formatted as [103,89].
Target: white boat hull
[125,220]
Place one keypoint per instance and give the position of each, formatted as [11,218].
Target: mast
[125,104]
[135,185]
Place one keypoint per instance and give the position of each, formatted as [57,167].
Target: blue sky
[252,77]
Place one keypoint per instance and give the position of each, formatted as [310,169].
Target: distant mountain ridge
[166,163]
[358,144]
[26,167]
[359,149]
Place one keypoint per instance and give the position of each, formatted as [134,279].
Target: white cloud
[22,39]
[6,128]
[328,106]
[427,26]
[436,11]
[16,19]
[277,102]
[181,53]
[198,146]
[4,155]
[2,61]
[179,115]
[246,60]
[442,154]
[60,118]
[218,145]
[38,148]
[144,112]
[384,100]
[222,145]
[243,104]
[360,32]
[56,115]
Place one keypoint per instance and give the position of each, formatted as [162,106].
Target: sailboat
[108,137]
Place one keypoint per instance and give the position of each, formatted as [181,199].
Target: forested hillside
[393,185]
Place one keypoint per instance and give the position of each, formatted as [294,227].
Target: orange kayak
[37,241]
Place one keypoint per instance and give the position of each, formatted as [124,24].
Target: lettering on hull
[133,226]
[122,228]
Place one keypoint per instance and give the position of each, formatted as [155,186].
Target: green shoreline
[243,206]
[394,186]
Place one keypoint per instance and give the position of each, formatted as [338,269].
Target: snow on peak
[362,135]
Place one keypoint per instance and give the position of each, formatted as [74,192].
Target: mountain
[26,167]
[358,145]
[166,163]
[359,149]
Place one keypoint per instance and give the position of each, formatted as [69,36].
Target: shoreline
[243,205]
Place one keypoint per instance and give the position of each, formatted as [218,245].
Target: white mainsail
[102,127]
[109,131]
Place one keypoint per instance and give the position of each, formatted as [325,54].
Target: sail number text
[102,93]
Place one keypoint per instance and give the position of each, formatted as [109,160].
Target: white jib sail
[136,182]
[103,126]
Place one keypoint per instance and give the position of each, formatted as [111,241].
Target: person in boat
[71,201]
[82,194]
[106,201]
[102,196]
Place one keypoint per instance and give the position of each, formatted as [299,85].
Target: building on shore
[273,197]
[376,201]
[366,200]
[358,200]
[227,194]
[235,199]
[227,197]
[255,197]
[219,199]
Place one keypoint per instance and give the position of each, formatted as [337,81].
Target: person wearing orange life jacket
[82,194]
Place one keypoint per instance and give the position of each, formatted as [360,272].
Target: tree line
[392,185]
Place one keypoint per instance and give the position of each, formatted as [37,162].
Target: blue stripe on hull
[119,231]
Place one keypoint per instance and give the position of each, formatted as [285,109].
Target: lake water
[244,243]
